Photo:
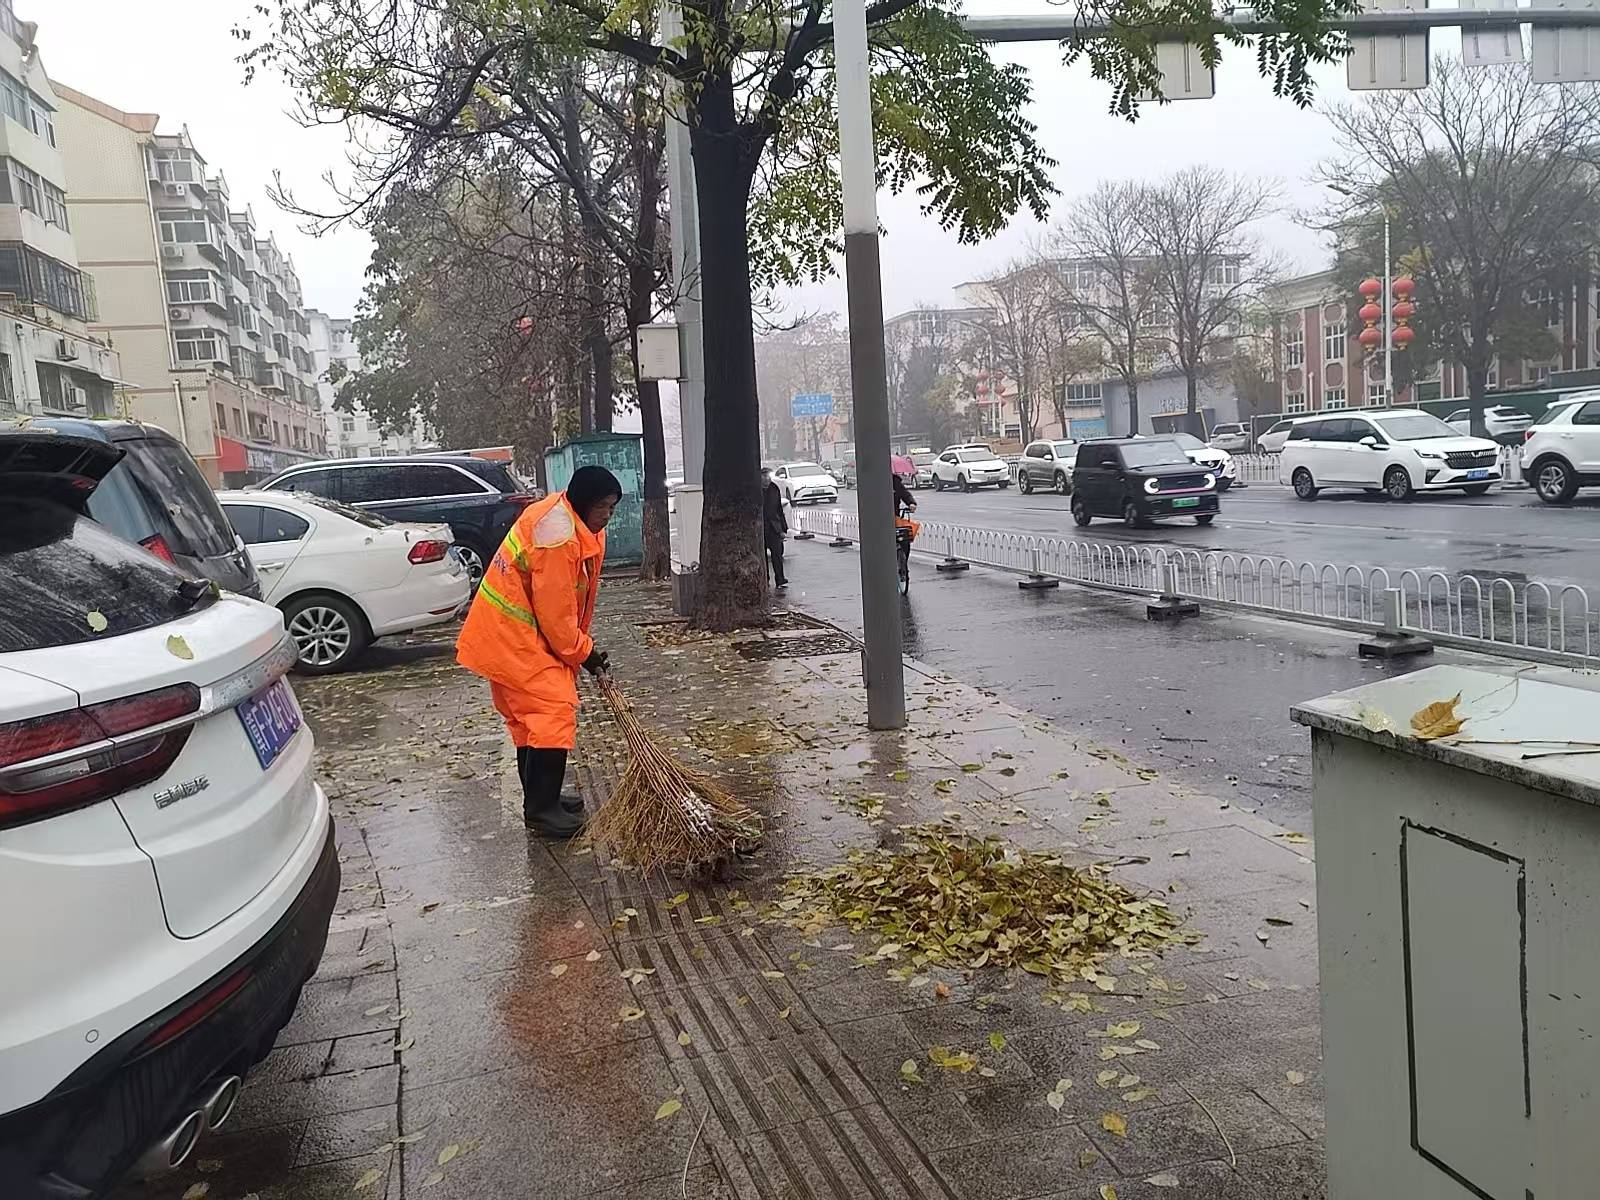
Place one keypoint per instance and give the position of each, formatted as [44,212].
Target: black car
[157,497]
[479,498]
[1139,480]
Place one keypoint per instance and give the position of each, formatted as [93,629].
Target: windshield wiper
[190,592]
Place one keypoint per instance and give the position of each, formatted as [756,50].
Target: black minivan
[157,497]
[1140,480]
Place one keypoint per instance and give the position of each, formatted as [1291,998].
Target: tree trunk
[733,572]
[1191,388]
[1477,389]
[602,374]
[1133,407]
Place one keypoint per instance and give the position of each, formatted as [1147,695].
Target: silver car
[1047,465]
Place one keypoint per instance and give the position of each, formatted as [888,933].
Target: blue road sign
[811,404]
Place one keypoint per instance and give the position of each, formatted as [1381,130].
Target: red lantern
[1370,313]
[1403,336]
[1404,286]
[1370,336]
[1370,288]
[1403,310]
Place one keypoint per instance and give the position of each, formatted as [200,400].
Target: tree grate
[768,649]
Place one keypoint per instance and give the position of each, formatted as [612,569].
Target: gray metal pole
[880,588]
[1388,317]
[685,222]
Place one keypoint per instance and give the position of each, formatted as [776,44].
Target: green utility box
[623,455]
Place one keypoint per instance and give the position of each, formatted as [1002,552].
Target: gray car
[1047,465]
[157,497]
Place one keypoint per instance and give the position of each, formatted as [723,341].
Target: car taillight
[33,786]
[1527,435]
[198,1011]
[157,545]
[428,550]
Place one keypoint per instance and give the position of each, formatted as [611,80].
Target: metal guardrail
[1520,619]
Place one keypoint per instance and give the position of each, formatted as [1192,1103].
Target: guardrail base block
[952,566]
[1038,583]
[839,543]
[1394,645]
[1171,608]
[804,536]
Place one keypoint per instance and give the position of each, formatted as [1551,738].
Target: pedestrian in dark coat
[774,525]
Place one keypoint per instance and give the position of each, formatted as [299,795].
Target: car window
[782,472]
[496,474]
[1413,427]
[1065,449]
[280,526]
[246,521]
[1460,414]
[947,458]
[803,469]
[1336,429]
[172,482]
[359,515]
[1153,452]
[1281,426]
[973,455]
[1187,440]
[1589,414]
[57,568]
[405,481]
[1360,428]
[1304,431]
[314,483]
[122,506]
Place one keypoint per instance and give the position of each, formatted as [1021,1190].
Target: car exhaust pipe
[219,1101]
[169,1152]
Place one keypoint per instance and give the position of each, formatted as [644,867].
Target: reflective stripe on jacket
[527,631]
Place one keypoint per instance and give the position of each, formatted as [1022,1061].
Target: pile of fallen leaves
[948,898]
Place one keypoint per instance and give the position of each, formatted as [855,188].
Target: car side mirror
[1370,442]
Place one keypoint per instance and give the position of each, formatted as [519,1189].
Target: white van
[1398,452]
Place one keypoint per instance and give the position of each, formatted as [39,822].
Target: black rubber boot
[544,809]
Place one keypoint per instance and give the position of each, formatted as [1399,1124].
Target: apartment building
[50,361]
[351,434]
[207,313]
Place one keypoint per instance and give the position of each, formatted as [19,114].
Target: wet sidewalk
[501,1017]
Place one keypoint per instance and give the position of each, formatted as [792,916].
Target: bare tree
[1020,330]
[1209,265]
[810,356]
[918,349]
[1109,280]
[1491,183]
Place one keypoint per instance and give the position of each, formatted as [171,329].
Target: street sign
[1486,47]
[1565,53]
[811,404]
[1183,75]
[1389,61]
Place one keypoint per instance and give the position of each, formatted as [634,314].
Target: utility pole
[1388,317]
[869,386]
[685,225]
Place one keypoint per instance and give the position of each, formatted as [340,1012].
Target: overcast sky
[179,60]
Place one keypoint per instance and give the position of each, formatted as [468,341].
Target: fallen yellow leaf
[668,1107]
[448,1153]
[1164,1180]
[1087,1158]
[196,1191]
[179,648]
[1437,720]
[1114,1123]
[367,1180]
[434,1180]
[1295,1078]
[97,620]
[1107,1192]
[684,1039]
[559,970]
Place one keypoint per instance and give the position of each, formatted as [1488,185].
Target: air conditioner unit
[173,189]
[66,349]
[177,314]
[170,250]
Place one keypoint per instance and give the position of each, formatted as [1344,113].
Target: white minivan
[1398,452]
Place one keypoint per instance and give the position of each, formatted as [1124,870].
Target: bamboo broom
[662,813]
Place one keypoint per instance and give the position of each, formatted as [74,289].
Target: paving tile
[354,1134]
[702,1184]
[1293,1172]
[271,1103]
[860,1152]
[765,1085]
[1171,1135]
[1223,860]
[229,1162]
[582,1127]
[1026,1164]
[339,1008]
[461,942]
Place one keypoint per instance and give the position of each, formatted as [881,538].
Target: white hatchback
[167,862]
[344,576]
[1398,452]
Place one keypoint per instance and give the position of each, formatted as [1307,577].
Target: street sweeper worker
[527,633]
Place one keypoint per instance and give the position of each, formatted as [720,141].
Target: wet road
[1509,534]
[1206,702]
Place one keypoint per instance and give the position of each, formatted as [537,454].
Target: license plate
[1481,473]
[1186,502]
[270,719]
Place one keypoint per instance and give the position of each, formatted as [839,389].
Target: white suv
[167,865]
[1561,450]
[1398,452]
[968,467]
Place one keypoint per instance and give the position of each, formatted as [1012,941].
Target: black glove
[598,662]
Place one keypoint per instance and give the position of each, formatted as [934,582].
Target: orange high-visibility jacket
[527,631]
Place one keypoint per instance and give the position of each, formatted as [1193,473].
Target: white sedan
[1218,461]
[967,467]
[806,483]
[344,576]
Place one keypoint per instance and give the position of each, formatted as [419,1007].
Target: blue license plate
[270,718]
[1186,502]
[1482,473]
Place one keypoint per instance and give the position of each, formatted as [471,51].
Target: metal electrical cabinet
[1458,896]
[623,455]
